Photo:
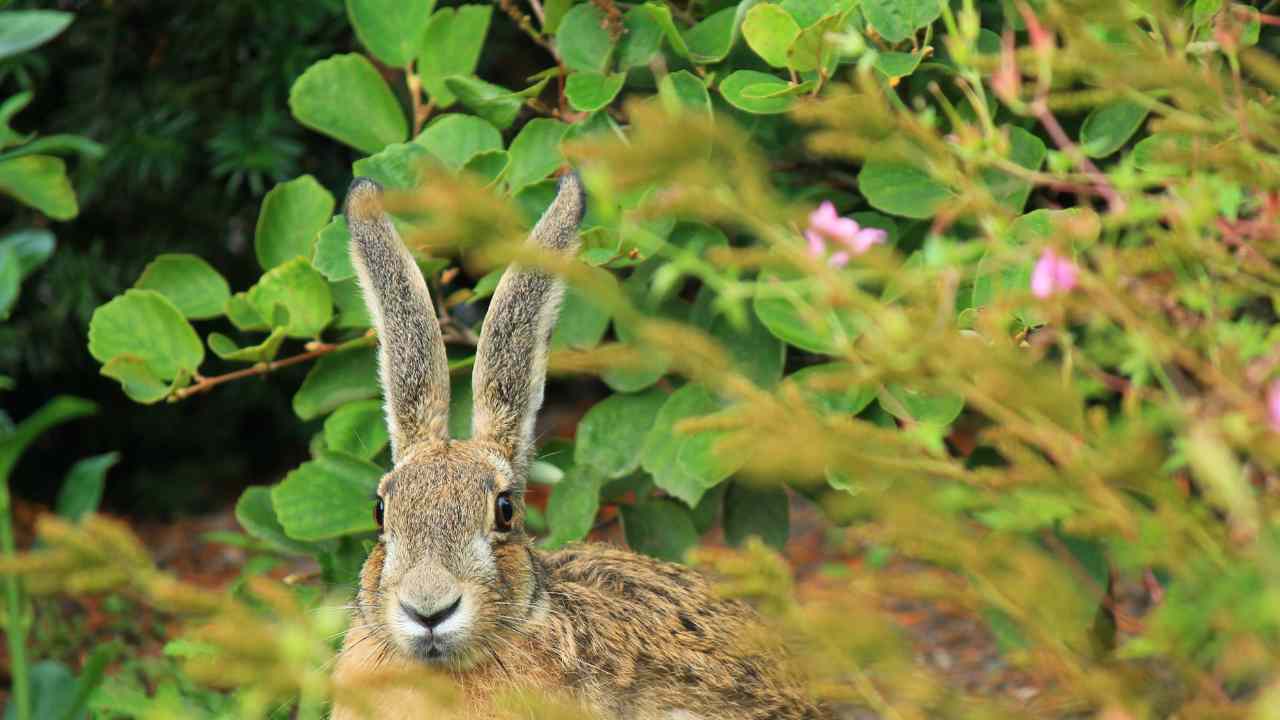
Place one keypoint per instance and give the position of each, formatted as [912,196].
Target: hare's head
[453,573]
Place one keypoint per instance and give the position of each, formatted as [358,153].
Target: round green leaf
[292,215]
[1107,127]
[572,507]
[21,30]
[301,291]
[189,282]
[582,322]
[664,447]
[41,182]
[400,166]
[659,528]
[1027,151]
[357,428]
[760,511]
[735,91]
[139,383]
[711,39]
[451,46]
[753,349]
[349,301]
[789,308]
[390,28]
[327,498]
[535,152]
[489,166]
[265,351]
[145,324]
[331,255]
[494,103]
[257,516]
[582,39]
[455,139]
[933,409]
[812,49]
[683,89]
[607,434]
[896,20]
[592,91]
[641,41]
[323,99]
[336,380]
[81,490]
[770,31]
[900,189]
[826,389]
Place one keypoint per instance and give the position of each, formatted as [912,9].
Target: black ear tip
[571,181]
[364,199]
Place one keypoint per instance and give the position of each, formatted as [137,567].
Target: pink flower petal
[839,259]
[822,217]
[1065,275]
[1042,275]
[817,246]
[867,237]
[1273,405]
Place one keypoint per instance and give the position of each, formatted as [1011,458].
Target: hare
[455,590]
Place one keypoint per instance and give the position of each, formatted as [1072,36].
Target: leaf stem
[314,350]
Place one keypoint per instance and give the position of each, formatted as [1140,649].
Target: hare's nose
[432,619]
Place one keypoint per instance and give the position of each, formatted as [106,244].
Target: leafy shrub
[1030,342]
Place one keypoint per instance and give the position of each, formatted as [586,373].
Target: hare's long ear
[411,358]
[511,360]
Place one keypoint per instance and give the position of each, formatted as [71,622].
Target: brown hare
[455,586]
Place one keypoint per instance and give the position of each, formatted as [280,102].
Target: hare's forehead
[465,471]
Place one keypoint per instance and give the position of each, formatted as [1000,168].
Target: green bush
[1032,341]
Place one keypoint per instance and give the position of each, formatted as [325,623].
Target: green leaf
[81,490]
[301,291]
[572,506]
[41,182]
[455,139]
[495,104]
[900,189]
[1108,127]
[22,30]
[255,513]
[390,29]
[243,314]
[10,107]
[57,144]
[145,324]
[349,301]
[336,380]
[808,12]
[265,351]
[192,284]
[1027,151]
[489,166]
[711,39]
[10,281]
[535,152]
[324,97]
[583,41]
[760,511]
[755,352]
[939,410]
[553,14]
[682,464]
[641,41]
[812,49]
[661,14]
[683,89]
[735,89]
[327,498]
[896,20]
[357,428]
[451,46]
[826,389]
[137,380]
[592,91]
[331,255]
[898,64]
[792,310]
[607,437]
[770,31]
[582,322]
[400,166]
[292,215]
[461,400]
[63,408]
[32,248]
[659,528]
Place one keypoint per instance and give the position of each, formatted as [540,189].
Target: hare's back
[653,638]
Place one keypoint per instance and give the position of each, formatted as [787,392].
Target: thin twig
[314,350]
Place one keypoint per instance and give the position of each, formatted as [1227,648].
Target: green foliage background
[1037,447]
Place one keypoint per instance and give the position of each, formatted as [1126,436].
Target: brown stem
[1040,108]
[315,350]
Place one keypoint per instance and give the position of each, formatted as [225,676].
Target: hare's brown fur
[453,592]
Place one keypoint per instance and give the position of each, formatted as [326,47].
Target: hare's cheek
[479,560]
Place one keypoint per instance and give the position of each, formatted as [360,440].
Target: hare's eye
[378,510]
[504,511]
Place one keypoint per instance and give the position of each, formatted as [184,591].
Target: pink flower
[825,226]
[1053,274]
[1273,404]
